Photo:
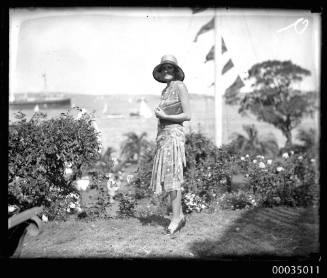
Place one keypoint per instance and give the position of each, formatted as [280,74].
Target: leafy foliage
[291,180]
[209,169]
[39,151]
[144,172]
[274,99]
[192,202]
[98,182]
[127,205]
[236,200]
[252,144]
[133,146]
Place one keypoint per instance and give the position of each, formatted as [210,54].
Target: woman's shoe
[178,228]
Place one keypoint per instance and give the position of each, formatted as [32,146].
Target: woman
[173,110]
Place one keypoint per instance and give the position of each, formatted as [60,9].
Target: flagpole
[13,48]
[218,81]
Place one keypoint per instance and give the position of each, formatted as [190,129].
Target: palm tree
[133,146]
[252,144]
[308,139]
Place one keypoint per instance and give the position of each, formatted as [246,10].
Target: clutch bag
[173,108]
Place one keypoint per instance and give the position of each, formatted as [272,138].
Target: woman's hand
[160,114]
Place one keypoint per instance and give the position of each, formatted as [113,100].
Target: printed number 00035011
[292,269]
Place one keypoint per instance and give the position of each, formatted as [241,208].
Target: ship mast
[45,82]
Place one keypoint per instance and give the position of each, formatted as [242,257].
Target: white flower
[262,165]
[255,161]
[115,160]
[83,183]
[247,155]
[279,169]
[242,158]
[312,160]
[68,171]
[44,218]
[269,161]
[247,175]
[68,164]
[300,157]
[73,195]
[129,178]
[72,205]
[291,152]
[182,188]
[285,155]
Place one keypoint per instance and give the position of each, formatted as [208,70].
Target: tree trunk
[288,135]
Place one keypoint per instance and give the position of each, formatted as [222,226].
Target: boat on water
[115,116]
[144,110]
[111,115]
[41,100]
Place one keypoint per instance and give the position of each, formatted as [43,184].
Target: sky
[114,50]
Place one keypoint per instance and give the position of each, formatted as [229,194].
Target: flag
[205,28]
[231,79]
[197,10]
[211,53]
[228,80]
[228,73]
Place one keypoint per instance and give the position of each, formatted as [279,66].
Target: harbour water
[112,115]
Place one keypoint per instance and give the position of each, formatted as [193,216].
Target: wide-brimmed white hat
[168,59]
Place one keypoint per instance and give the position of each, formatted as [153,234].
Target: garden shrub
[98,183]
[127,205]
[290,180]
[307,143]
[236,200]
[192,202]
[154,205]
[39,151]
[142,179]
[209,169]
[62,206]
[253,143]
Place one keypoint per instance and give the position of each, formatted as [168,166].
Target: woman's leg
[176,203]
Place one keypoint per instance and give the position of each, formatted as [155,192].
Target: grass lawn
[278,231]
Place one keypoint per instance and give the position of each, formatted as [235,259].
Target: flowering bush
[236,200]
[289,180]
[209,169]
[38,153]
[192,202]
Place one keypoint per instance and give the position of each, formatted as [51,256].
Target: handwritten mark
[303,21]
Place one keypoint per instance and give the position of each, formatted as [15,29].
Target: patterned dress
[167,171]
